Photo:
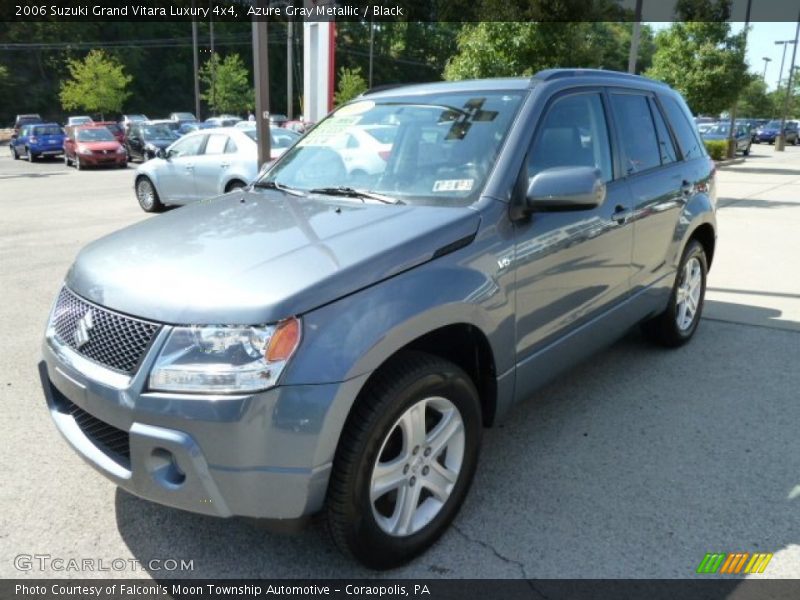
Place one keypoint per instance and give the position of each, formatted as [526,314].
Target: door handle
[621,214]
[189,167]
[225,165]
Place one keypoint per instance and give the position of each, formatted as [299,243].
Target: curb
[728,162]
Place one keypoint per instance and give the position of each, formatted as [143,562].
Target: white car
[201,164]
[365,149]
[79,120]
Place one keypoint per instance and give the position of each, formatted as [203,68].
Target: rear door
[210,166]
[176,177]
[656,180]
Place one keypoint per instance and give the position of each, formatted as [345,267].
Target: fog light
[164,468]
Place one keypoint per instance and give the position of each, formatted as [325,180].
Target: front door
[571,265]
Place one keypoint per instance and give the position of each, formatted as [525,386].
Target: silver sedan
[203,164]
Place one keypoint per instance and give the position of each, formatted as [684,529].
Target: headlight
[225,359]
[120,150]
[84,150]
[150,147]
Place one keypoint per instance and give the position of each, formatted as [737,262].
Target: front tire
[14,154]
[147,196]
[29,155]
[677,324]
[405,460]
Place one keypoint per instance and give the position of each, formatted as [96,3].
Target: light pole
[261,77]
[766,60]
[732,126]
[780,137]
[783,43]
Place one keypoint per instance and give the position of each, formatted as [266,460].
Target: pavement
[635,464]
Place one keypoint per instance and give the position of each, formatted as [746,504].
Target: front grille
[110,339]
[113,442]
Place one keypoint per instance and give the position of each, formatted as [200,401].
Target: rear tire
[14,154]
[746,151]
[405,460]
[67,161]
[677,324]
[147,196]
[78,165]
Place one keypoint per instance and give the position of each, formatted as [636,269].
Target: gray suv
[331,339]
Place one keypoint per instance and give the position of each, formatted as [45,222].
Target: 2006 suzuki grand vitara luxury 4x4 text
[334,337]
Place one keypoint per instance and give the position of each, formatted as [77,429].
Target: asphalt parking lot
[634,465]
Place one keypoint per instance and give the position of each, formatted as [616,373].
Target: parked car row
[721,131]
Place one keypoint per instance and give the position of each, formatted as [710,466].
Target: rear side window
[216,144]
[665,146]
[574,133]
[688,139]
[637,132]
[189,146]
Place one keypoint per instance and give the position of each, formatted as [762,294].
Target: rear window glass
[688,139]
[639,139]
[95,135]
[47,130]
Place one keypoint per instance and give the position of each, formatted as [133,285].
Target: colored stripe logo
[734,563]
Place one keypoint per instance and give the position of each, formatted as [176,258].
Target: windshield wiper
[274,185]
[349,192]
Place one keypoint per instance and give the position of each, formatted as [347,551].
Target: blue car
[193,126]
[769,132]
[38,140]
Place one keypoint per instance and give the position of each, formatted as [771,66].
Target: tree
[351,84]
[704,62]
[97,84]
[496,49]
[754,100]
[227,83]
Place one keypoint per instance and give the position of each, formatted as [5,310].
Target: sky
[761,43]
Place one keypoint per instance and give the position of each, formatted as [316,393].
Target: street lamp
[783,43]
[780,140]
[766,60]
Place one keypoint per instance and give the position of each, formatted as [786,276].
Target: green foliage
[754,101]
[717,149]
[704,62]
[227,82]
[500,49]
[97,84]
[350,85]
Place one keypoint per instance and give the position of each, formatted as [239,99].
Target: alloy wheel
[417,467]
[689,290]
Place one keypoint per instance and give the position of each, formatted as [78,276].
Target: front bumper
[262,455]
[96,160]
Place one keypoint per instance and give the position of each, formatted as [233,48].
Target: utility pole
[785,43]
[766,60]
[371,48]
[196,67]
[213,63]
[637,28]
[261,81]
[732,125]
[780,136]
[290,69]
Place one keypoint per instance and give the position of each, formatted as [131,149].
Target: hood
[714,136]
[158,143]
[100,146]
[258,257]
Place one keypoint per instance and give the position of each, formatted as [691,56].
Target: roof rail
[380,88]
[551,74]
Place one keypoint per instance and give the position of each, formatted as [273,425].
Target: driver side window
[574,133]
[189,146]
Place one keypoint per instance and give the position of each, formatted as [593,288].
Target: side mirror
[161,153]
[566,188]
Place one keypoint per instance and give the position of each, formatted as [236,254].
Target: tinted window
[637,132]
[688,140]
[216,144]
[665,146]
[574,133]
[188,146]
[47,130]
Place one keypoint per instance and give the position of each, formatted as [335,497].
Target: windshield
[718,129]
[95,135]
[184,116]
[420,149]
[47,130]
[158,132]
[773,125]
